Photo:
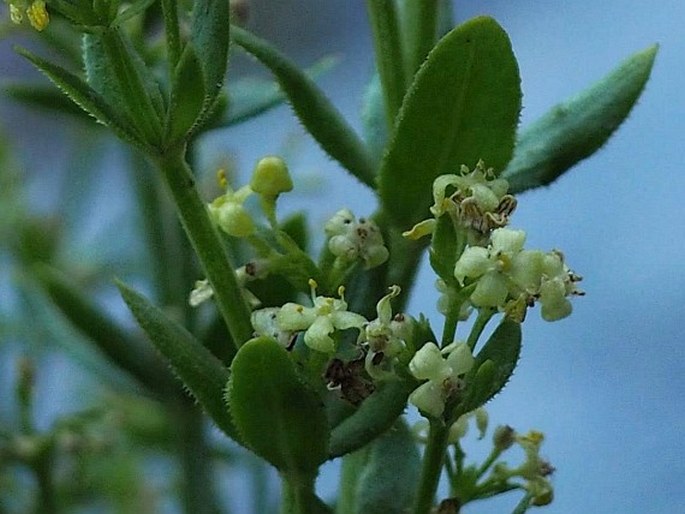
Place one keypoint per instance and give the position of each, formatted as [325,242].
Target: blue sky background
[606,385]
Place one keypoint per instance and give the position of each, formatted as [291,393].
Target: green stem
[420,21]
[389,60]
[42,468]
[523,505]
[205,240]
[433,460]
[484,315]
[489,461]
[298,495]
[197,491]
[173,40]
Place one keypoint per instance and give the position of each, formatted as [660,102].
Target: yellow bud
[271,177]
[38,15]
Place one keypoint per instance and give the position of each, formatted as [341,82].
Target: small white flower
[350,239]
[320,321]
[444,375]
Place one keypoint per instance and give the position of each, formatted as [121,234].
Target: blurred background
[607,385]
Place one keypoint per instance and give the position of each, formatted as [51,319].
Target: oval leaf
[387,482]
[463,106]
[279,417]
[577,128]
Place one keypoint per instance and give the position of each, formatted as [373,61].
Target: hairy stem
[433,460]
[205,240]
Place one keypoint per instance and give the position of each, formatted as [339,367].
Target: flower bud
[271,177]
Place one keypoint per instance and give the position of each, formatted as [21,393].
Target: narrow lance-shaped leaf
[44,97]
[577,128]
[462,107]
[201,372]
[210,34]
[249,96]
[187,95]
[277,415]
[86,98]
[116,71]
[494,365]
[315,111]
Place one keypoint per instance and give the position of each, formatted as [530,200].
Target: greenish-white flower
[320,321]
[351,239]
[229,213]
[444,375]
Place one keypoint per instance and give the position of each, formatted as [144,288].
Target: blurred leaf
[494,365]
[249,97]
[388,480]
[463,106]
[315,111]
[85,97]
[373,118]
[374,416]
[201,372]
[277,415]
[117,345]
[44,97]
[577,128]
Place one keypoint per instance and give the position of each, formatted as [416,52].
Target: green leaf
[315,111]
[494,365]
[86,98]
[118,346]
[387,482]
[249,97]
[375,129]
[116,71]
[463,106]
[447,245]
[201,372]
[277,415]
[374,416]
[210,34]
[187,95]
[578,127]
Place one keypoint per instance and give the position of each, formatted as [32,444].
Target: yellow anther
[312,283]
[221,178]
[38,15]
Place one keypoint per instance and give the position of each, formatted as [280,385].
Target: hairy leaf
[494,365]
[578,127]
[86,97]
[277,415]
[463,106]
[202,373]
[315,111]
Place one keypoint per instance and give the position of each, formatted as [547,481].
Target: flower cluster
[477,200]
[351,239]
[512,279]
[35,12]
[385,337]
[444,371]
[318,322]
[269,179]
[534,470]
